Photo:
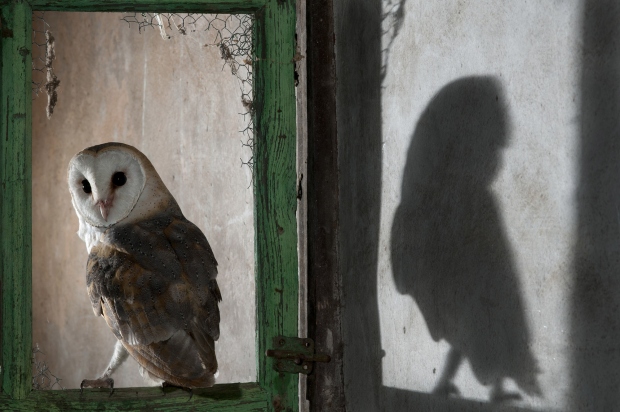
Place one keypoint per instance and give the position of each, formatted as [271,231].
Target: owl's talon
[98,383]
[446,389]
[499,395]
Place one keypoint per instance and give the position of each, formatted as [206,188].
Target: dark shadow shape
[595,316]
[449,250]
[359,70]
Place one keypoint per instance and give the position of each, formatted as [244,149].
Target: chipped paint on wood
[241,397]
[171,6]
[275,192]
[16,200]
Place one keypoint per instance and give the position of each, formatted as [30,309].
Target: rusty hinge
[295,355]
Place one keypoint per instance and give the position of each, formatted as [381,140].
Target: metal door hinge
[295,355]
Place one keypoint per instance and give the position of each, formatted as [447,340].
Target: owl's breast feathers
[155,284]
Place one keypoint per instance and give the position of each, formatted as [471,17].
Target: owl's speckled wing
[155,284]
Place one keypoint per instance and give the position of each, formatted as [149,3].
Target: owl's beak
[104,207]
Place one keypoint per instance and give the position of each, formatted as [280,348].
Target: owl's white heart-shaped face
[105,186]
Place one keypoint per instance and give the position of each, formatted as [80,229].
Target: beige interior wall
[176,102]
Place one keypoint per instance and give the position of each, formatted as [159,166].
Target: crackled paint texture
[178,103]
[479,157]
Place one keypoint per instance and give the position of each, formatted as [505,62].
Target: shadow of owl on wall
[448,247]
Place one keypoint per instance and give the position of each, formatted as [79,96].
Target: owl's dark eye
[119,179]
[86,186]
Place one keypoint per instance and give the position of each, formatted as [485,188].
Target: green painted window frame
[275,202]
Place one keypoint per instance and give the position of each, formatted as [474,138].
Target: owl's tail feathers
[206,349]
[180,361]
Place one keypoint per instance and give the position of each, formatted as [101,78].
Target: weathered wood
[275,189]
[173,6]
[244,397]
[360,134]
[16,200]
[326,385]
[1,197]
[301,91]
[275,193]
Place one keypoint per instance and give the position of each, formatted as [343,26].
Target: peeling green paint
[16,201]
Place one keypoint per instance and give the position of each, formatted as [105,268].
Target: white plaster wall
[177,103]
[532,50]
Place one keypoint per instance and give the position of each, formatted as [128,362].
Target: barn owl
[150,273]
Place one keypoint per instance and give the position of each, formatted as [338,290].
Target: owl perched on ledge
[151,273]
